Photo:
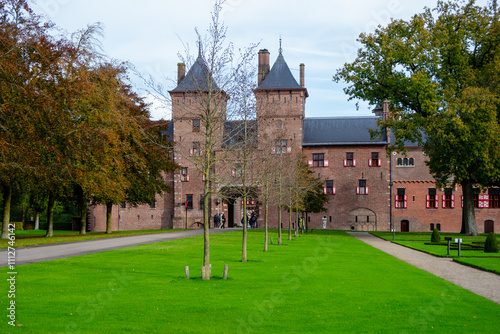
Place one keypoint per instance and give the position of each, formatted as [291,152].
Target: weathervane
[281,50]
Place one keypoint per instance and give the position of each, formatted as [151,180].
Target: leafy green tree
[440,72]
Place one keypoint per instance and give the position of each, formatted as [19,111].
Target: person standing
[216,220]
[253,220]
[223,221]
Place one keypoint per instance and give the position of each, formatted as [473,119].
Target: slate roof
[280,77]
[340,131]
[196,79]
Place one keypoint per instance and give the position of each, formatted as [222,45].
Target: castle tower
[280,105]
[196,91]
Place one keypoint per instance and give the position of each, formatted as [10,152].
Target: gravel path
[480,282]
[58,251]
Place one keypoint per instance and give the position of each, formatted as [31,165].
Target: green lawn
[37,238]
[421,241]
[326,282]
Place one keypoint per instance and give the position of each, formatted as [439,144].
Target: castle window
[330,189]
[318,160]
[375,161]
[448,199]
[184,175]
[196,125]
[350,161]
[411,162]
[362,188]
[432,200]
[279,95]
[494,197]
[152,204]
[279,124]
[400,162]
[189,201]
[401,199]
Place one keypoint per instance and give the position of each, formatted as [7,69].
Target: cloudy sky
[319,33]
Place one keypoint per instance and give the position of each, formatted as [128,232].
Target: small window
[279,124]
[196,125]
[184,174]
[350,159]
[152,204]
[438,226]
[202,202]
[123,205]
[432,200]
[401,199]
[196,151]
[405,162]
[494,197]
[281,146]
[448,199]
[432,226]
[374,161]
[329,187]
[189,201]
[318,160]
[400,162]
[362,188]
[411,162]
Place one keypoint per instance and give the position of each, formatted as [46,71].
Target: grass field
[420,241]
[326,282]
[37,238]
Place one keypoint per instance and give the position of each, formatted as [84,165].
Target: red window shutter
[397,202]
[324,190]
[428,201]
[310,163]
[481,201]
[406,202]
[357,190]
[201,153]
[380,162]
[233,172]
[370,162]
[436,202]
[327,163]
[203,177]
[462,201]
[334,190]
[187,178]
[345,163]
[253,202]
[273,150]
[354,162]
[367,190]
[191,152]
[289,150]
[444,201]
[452,201]
[486,201]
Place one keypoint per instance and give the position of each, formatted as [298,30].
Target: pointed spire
[281,49]
[199,46]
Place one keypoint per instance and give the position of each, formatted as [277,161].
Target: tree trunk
[50,215]
[307,224]
[83,216]
[297,221]
[7,198]
[206,220]
[109,222]
[468,215]
[290,223]
[279,225]
[265,223]
[245,222]
[37,220]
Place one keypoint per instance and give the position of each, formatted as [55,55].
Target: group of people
[251,222]
[219,220]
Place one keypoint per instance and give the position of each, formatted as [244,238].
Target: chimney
[385,109]
[181,72]
[302,75]
[263,65]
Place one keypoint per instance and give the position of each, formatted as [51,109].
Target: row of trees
[71,127]
[440,71]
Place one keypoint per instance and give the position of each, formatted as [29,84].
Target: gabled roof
[340,131]
[197,78]
[280,77]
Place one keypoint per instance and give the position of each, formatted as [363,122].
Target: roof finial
[281,49]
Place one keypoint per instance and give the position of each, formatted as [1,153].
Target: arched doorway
[362,219]
[489,226]
[405,226]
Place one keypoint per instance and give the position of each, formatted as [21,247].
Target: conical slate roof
[280,77]
[197,78]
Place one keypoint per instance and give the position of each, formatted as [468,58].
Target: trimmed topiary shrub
[491,244]
[435,237]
